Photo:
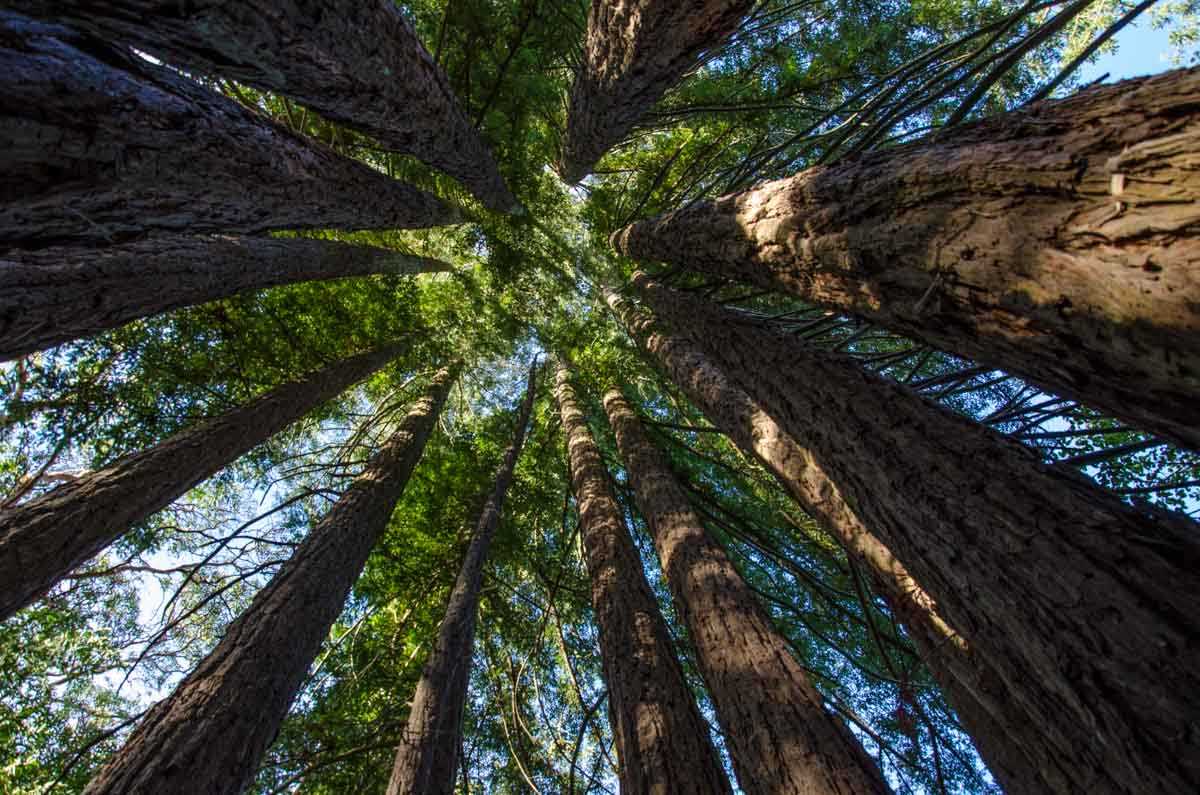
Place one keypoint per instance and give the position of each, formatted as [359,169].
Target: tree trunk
[427,759]
[780,736]
[209,736]
[45,538]
[1087,609]
[635,50]
[1057,242]
[58,294]
[1012,747]
[662,741]
[358,64]
[101,145]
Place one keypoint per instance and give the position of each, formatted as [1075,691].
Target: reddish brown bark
[103,146]
[1057,242]
[662,741]
[209,736]
[45,538]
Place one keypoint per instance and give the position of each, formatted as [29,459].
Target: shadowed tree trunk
[45,538]
[101,145]
[780,736]
[662,741]
[427,759]
[1087,608]
[635,50]
[359,64]
[1018,757]
[209,736]
[54,295]
[1058,242]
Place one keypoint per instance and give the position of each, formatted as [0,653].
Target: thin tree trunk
[359,64]
[209,736]
[1010,745]
[780,736]
[101,145]
[45,538]
[54,295]
[635,51]
[662,741]
[1087,608]
[427,759]
[1058,242]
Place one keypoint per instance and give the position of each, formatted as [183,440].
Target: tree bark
[45,538]
[1057,242]
[58,294]
[1087,608]
[427,759]
[100,145]
[358,64]
[662,741]
[1017,755]
[635,50]
[780,736]
[208,737]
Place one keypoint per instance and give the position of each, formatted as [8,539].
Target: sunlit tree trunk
[1058,242]
[780,736]
[1086,608]
[662,741]
[54,295]
[209,736]
[359,64]
[635,50]
[43,539]
[101,145]
[427,759]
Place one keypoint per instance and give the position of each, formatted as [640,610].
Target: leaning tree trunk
[101,145]
[1058,242]
[427,759]
[1015,752]
[54,295]
[210,735]
[780,736]
[359,64]
[45,538]
[662,741]
[1087,608]
[635,50]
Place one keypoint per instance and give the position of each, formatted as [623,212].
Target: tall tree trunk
[780,736]
[427,759]
[1058,242]
[45,538]
[1087,608]
[1019,758]
[359,64]
[209,736]
[101,145]
[54,295]
[635,50]
[662,741]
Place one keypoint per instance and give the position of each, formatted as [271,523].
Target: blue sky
[1141,50]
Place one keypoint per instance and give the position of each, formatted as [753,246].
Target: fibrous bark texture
[45,538]
[662,741]
[780,736]
[208,737]
[359,64]
[1086,608]
[1058,242]
[427,758]
[101,145]
[57,294]
[635,50]
[1018,757]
